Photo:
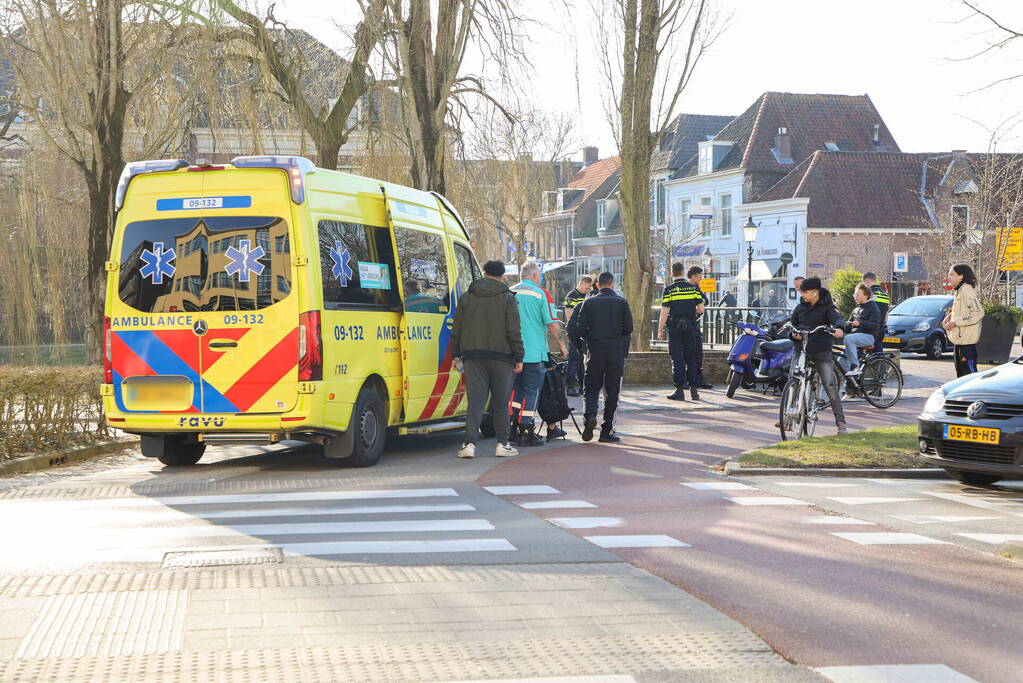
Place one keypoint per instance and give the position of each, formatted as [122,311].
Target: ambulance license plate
[972,434]
[892,340]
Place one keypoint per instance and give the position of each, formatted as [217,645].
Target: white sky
[899,52]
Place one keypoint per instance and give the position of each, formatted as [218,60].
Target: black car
[914,326]
[973,426]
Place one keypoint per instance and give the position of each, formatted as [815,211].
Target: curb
[42,461]
[735,469]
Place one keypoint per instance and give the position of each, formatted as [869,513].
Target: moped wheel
[790,420]
[734,380]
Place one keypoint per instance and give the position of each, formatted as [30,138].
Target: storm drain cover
[222,557]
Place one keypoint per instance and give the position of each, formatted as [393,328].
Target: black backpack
[553,402]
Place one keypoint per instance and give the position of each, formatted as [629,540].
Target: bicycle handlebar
[819,328]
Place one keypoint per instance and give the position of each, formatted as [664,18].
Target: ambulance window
[212,263]
[466,266]
[424,271]
[357,266]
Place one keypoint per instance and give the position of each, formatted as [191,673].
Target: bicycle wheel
[813,403]
[790,417]
[881,382]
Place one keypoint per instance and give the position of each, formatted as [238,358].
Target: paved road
[829,571]
[428,567]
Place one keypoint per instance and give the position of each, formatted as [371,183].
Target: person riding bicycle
[816,309]
[864,324]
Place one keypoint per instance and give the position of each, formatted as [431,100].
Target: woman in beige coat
[963,322]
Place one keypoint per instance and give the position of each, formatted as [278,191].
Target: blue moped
[757,358]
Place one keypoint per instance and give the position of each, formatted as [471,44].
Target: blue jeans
[853,342]
[525,393]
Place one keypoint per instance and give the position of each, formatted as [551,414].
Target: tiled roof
[592,177]
[681,137]
[863,189]
[811,120]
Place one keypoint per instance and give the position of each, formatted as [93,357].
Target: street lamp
[749,233]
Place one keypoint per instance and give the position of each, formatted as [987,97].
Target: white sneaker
[468,450]
[505,451]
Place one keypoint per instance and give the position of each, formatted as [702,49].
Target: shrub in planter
[49,408]
[998,332]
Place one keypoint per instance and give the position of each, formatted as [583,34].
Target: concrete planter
[996,340]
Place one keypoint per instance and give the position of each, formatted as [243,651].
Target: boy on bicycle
[864,325]
[818,308]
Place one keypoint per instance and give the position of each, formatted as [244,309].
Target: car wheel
[974,478]
[172,451]
[935,347]
[370,429]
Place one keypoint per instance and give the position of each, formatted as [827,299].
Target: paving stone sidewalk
[371,623]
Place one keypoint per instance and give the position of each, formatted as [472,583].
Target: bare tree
[999,34]
[327,122]
[95,76]
[515,160]
[424,45]
[659,44]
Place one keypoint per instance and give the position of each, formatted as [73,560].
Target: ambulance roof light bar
[296,167]
[138,168]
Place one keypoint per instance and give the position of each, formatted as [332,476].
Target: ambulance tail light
[310,347]
[108,352]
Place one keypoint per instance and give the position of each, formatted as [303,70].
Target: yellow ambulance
[267,299]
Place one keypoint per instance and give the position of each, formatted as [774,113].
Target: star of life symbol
[244,261]
[157,263]
[342,269]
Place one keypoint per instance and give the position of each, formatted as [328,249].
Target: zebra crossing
[349,525]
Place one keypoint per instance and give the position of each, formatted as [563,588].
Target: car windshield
[920,307]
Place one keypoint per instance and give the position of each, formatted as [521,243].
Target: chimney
[958,155]
[590,155]
[783,144]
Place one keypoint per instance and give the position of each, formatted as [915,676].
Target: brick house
[774,136]
[580,222]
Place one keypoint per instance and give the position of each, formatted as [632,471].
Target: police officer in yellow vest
[879,295]
[681,303]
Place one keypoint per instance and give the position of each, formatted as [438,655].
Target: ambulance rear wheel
[369,423]
[172,451]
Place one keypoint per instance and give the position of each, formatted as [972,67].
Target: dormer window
[601,214]
[832,147]
[712,153]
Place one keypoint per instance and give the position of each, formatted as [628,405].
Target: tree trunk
[327,151]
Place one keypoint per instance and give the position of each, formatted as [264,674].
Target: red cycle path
[819,600]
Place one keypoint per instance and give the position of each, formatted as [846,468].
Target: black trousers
[604,370]
[966,359]
[574,378]
[685,346]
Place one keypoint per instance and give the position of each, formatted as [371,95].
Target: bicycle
[800,402]
[879,381]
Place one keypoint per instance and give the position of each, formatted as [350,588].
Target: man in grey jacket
[487,340]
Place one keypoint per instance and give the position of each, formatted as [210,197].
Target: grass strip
[894,447]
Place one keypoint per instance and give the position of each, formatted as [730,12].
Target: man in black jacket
[816,309]
[604,324]
[864,325]
[487,339]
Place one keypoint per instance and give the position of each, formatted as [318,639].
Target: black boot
[529,437]
[694,393]
[679,395]
[589,424]
[609,437]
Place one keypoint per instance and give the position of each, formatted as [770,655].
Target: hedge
[48,408]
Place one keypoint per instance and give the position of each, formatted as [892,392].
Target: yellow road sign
[1009,248]
[708,284]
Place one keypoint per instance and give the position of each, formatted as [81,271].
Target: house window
[733,267]
[704,223]
[660,202]
[683,209]
[726,215]
[706,158]
[601,215]
[960,224]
